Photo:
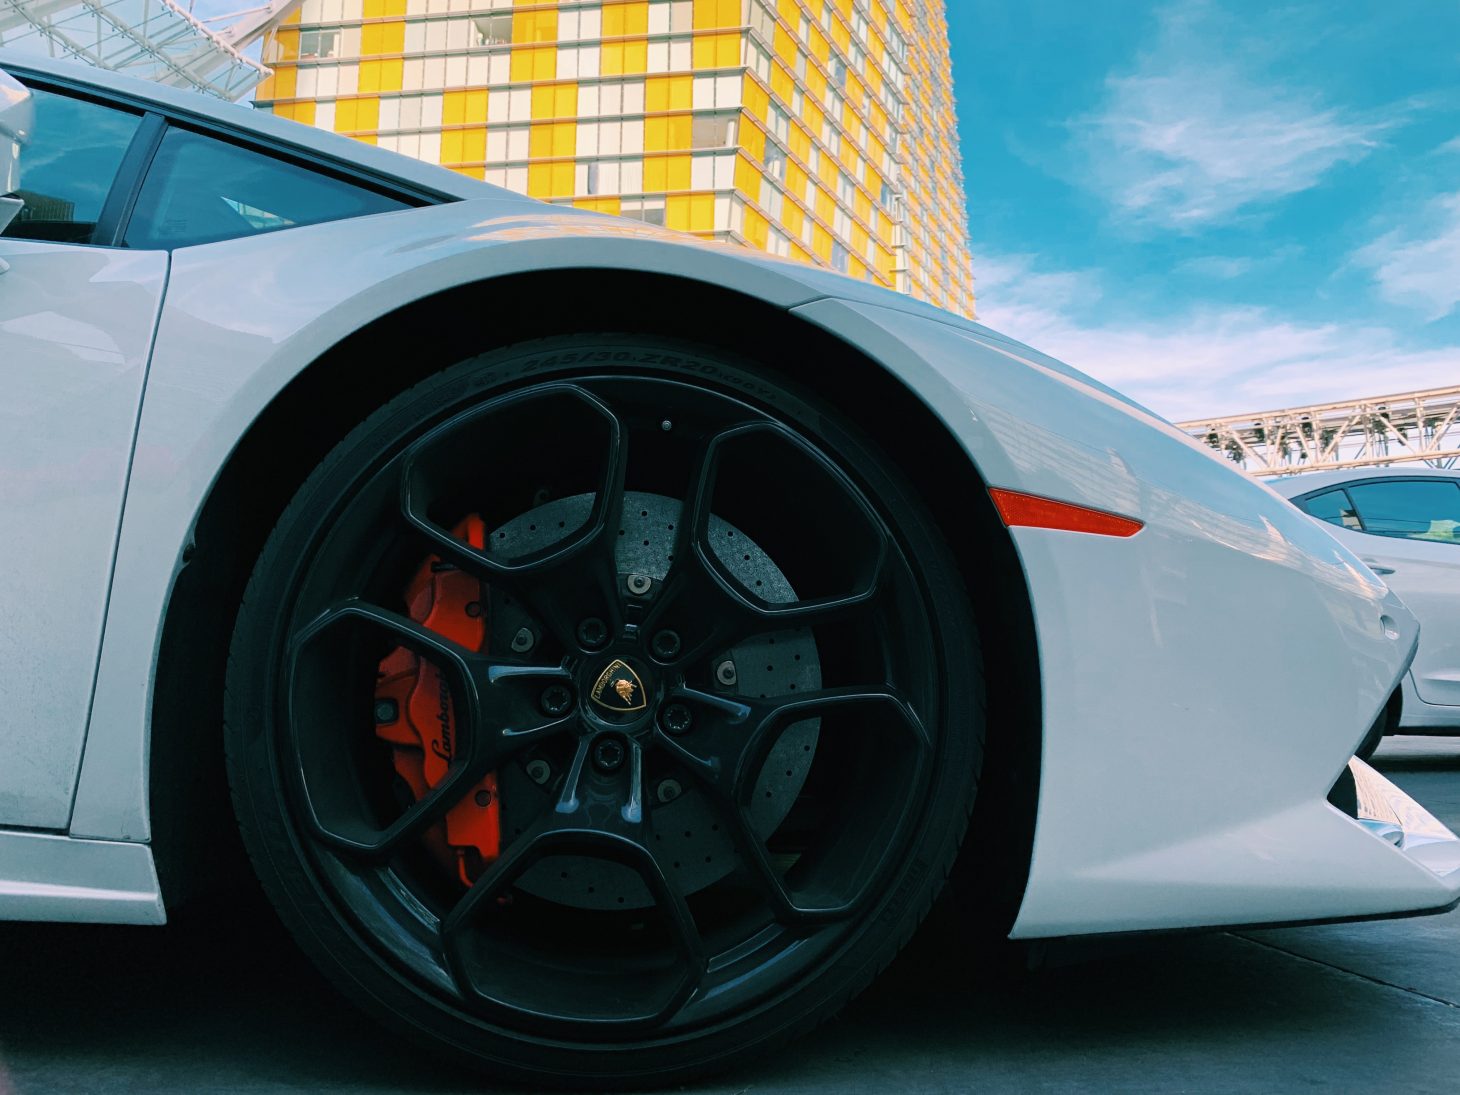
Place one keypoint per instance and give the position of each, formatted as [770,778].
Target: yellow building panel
[285,81]
[625,17]
[625,58]
[535,26]
[815,83]
[612,206]
[800,142]
[668,133]
[860,239]
[554,100]
[796,180]
[841,35]
[818,45]
[716,50]
[747,178]
[378,38]
[663,93]
[357,115]
[565,138]
[539,141]
[862,206]
[794,218]
[383,75]
[857,269]
[752,138]
[800,254]
[757,99]
[716,14]
[383,9]
[534,63]
[789,10]
[756,229]
[783,83]
[464,107]
[821,243]
[825,205]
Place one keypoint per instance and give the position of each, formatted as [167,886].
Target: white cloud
[1223,267]
[1206,361]
[1420,268]
[1195,136]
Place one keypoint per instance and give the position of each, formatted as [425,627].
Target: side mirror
[17,117]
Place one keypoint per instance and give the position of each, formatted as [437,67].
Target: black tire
[340,907]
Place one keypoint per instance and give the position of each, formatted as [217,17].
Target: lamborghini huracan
[606,644]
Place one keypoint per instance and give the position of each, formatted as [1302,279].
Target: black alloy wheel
[702,734]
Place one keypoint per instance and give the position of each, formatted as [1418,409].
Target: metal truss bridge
[1407,428]
[154,39]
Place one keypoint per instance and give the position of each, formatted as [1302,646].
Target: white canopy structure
[153,39]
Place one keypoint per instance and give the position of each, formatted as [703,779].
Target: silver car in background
[1404,522]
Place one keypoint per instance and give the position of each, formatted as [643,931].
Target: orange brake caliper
[414,712]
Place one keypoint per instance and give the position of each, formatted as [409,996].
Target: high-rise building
[822,130]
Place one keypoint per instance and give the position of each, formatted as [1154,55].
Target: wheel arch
[328,397]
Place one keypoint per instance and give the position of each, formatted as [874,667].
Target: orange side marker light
[1032,511]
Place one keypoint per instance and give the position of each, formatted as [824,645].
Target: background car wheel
[1385,724]
[603,710]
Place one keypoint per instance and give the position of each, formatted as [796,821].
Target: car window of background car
[68,167]
[1410,508]
[200,190]
[1332,506]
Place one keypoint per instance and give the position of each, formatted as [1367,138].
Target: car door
[77,320]
[1411,536]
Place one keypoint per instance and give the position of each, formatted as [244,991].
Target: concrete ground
[204,1006]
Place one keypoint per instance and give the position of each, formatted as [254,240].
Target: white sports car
[607,637]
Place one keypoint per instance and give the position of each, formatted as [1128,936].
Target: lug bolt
[556,699]
[523,640]
[639,584]
[676,718]
[665,645]
[669,790]
[592,633]
[666,425]
[474,609]
[609,754]
[386,711]
[483,799]
[725,673]
[539,771]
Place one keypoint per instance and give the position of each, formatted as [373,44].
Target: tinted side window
[1332,506]
[1410,508]
[67,169]
[200,189]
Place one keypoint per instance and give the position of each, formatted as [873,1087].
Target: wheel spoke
[495,711]
[728,748]
[596,817]
[554,582]
[699,587]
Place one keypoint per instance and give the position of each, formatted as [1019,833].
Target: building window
[712,131]
[494,30]
[775,160]
[840,258]
[314,44]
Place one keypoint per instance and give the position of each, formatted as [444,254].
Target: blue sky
[1218,207]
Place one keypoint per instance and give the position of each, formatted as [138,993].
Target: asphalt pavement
[224,1003]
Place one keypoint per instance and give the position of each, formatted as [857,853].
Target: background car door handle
[1377,568]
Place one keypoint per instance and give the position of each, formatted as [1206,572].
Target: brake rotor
[691,839]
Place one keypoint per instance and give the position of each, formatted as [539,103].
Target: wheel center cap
[618,689]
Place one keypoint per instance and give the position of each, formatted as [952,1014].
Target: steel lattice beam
[1405,428]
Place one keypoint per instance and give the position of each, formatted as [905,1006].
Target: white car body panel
[1160,805]
[1426,576]
[76,326]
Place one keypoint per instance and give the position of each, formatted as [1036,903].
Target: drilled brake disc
[690,836]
